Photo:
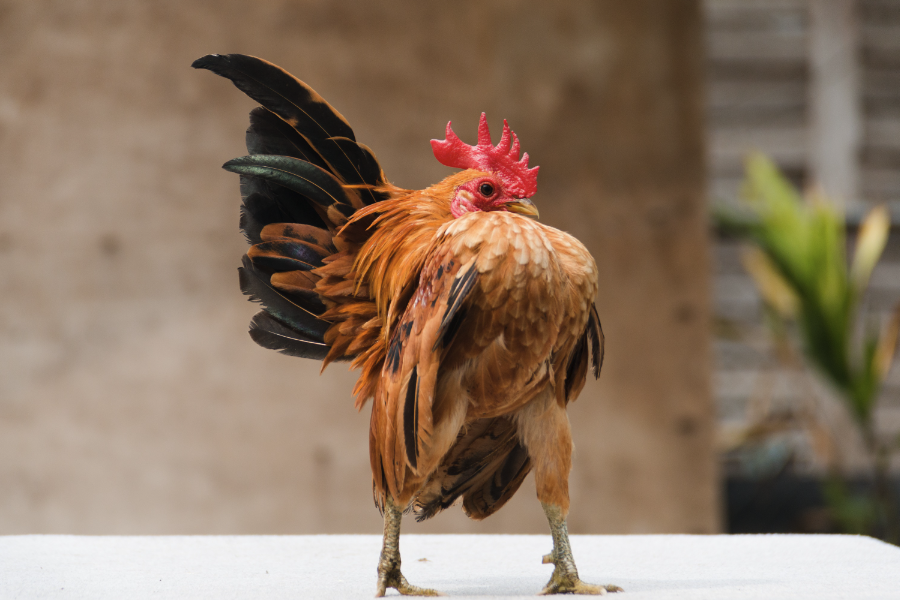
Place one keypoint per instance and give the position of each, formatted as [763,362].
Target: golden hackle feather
[383,249]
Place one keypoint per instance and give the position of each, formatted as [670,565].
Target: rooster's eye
[486,189]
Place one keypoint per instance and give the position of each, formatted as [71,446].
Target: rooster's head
[496,178]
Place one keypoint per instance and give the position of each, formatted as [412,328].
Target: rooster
[472,323]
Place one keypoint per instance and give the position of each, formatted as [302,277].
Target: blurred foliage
[799,265]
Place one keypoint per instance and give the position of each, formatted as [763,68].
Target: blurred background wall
[132,400]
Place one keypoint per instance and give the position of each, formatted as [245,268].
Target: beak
[523,206]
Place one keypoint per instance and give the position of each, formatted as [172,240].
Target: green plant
[798,262]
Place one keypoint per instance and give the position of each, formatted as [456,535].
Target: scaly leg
[389,575]
[565,576]
[543,427]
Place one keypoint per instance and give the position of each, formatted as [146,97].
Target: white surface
[300,567]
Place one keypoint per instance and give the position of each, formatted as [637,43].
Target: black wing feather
[411,419]
[459,290]
[598,345]
[485,467]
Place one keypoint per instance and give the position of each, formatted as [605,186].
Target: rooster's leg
[389,575]
[543,426]
[565,576]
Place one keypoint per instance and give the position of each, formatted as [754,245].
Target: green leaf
[801,271]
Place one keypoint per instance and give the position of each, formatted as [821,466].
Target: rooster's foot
[565,576]
[565,581]
[391,577]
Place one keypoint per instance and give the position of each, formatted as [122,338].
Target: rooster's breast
[524,308]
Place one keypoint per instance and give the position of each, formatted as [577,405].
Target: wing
[581,343]
[587,350]
[403,419]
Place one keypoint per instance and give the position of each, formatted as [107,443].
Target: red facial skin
[471,197]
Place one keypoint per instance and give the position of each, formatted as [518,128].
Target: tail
[305,176]
[485,466]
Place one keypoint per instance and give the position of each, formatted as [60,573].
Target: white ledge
[487,566]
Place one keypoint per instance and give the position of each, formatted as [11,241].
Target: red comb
[502,159]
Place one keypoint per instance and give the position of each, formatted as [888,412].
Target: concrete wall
[131,398]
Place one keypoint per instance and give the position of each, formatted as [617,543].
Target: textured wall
[132,400]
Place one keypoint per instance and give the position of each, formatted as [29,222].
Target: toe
[576,586]
[397,581]
[588,589]
[412,590]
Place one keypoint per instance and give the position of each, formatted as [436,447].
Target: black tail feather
[308,299]
[271,203]
[251,225]
[299,176]
[364,170]
[305,177]
[280,92]
[270,333]
[316,236]
[301,256]
[299,106]
[268,134]
[309,234]
[256,285]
